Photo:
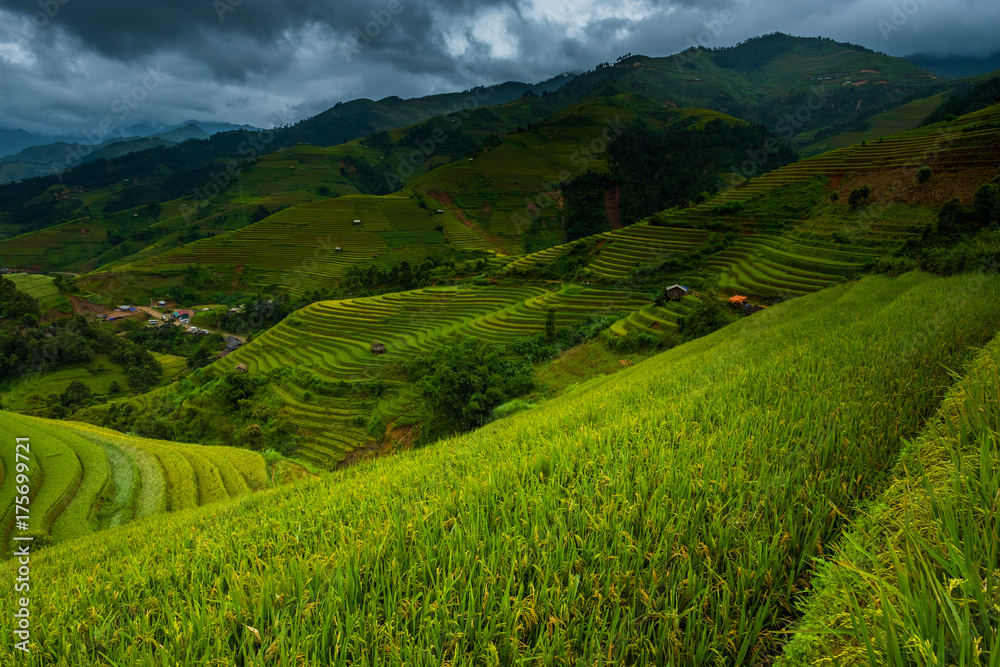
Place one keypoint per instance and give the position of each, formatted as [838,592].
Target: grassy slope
[893,121]
[667,514]
[84,478]
[914,579]
[43,290]
[19,395]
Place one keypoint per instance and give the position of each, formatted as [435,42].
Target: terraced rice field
[626,249]
[659,321]
[676,513]
[297,247]
[815,253]
[172,364]
[967,143]
[42,289]
[332,341]
[84,478]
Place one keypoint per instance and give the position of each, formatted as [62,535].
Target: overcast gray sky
[82,65]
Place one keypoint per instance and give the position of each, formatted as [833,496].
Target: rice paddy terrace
[960,151]
[311,246]
[671,514]
[331,341]
[84,478]
[825,241]
[43,290]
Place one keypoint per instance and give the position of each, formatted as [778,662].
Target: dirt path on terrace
[445,198]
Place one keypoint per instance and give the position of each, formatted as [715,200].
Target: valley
[679,361]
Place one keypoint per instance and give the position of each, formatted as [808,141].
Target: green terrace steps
[297,248]
[618,252]
[950,146]
[675,513]
[791,256]
[84,478]
[463,237]
[331,342]
[659,321]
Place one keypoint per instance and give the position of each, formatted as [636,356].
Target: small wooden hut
[676,292]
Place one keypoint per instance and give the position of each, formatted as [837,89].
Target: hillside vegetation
[787,234]
[671,514]
[83,478]
[913,581]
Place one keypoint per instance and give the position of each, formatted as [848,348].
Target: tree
[923,174]
[986,204]
[235,387]
[859,195]
[462,382]
[253,437]
[75,394]
[14,304]
[550,322]
[707,316]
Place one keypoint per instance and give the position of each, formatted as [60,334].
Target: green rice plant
[150,487]
[670,514]
[252,468]
[916,583]
[79,517]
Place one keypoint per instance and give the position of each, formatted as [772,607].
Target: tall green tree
[463,382]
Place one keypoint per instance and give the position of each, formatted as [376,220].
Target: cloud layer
[71,65]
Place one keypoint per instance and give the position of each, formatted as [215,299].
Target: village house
[677,292]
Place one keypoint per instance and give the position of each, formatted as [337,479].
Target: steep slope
[794,230]
[913,580]
[670,514]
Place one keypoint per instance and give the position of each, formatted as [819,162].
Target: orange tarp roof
[737,299]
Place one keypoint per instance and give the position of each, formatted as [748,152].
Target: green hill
[776,237]
[670,514]
[794,86]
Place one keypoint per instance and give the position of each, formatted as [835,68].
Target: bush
[858,195]
[631,342]
[923,174]
[464,381]
[511,407]
[708,316]
[376,426]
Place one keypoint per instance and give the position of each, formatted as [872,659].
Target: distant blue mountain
[956,67]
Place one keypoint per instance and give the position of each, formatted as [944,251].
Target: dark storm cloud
[65,63]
